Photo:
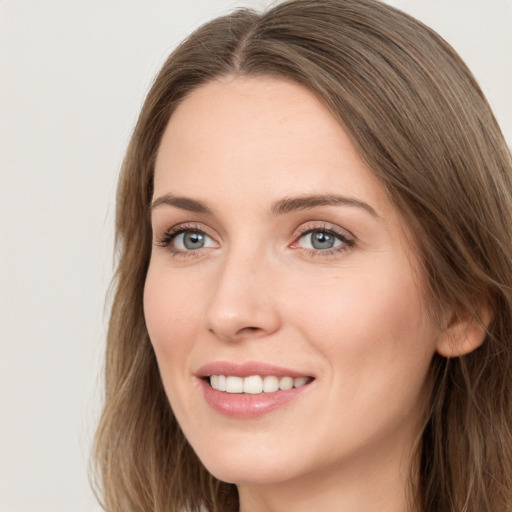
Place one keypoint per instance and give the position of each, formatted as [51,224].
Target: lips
[250,389]
[247,369]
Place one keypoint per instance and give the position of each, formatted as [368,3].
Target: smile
[256,384]
[251,389]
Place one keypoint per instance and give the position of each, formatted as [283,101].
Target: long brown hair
[422,125]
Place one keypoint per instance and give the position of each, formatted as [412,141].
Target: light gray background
[73,75]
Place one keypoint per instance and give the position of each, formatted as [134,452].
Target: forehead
[244,135]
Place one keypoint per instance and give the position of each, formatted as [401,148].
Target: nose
[243,303]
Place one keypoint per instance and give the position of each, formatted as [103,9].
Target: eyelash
[347,242]
[170,235]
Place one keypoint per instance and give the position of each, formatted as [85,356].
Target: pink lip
[242,405]
[246,370]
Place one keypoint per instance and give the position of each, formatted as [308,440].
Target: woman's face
[278,256]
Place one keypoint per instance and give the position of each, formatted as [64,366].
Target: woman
[313,296]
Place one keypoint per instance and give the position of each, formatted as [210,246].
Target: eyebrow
[281,207]
[306,202]
[184,203]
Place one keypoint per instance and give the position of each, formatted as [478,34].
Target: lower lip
[245,405]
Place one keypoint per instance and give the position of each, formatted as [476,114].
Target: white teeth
[221,383]
[297,381]
[270,384]
[286,383]
[255,384]
[234,384]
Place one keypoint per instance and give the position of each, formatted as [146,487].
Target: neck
[377,481]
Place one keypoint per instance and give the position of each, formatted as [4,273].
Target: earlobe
[464,333]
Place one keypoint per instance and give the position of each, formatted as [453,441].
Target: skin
[353,318]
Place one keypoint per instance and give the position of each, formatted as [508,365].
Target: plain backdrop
[73,75]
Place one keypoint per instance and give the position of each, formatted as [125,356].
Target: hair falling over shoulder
[421,123]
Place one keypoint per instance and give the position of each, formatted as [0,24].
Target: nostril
[248,330]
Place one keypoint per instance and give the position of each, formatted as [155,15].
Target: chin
[248,474]
[255,467]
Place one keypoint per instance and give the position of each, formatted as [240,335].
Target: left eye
[321,240]
[192,240]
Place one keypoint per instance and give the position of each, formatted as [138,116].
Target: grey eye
[322,240]
[192,240]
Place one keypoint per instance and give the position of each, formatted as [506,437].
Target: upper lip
[247,369]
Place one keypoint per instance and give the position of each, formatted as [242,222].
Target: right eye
[191,240]
[186,240]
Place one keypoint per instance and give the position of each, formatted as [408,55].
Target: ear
[464,333]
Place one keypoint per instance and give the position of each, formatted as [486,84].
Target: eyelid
[167,236]
[324,226]
[347,239]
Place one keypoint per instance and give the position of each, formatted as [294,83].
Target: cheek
[372,327]
[171,314]
[389,302]
[379,344]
